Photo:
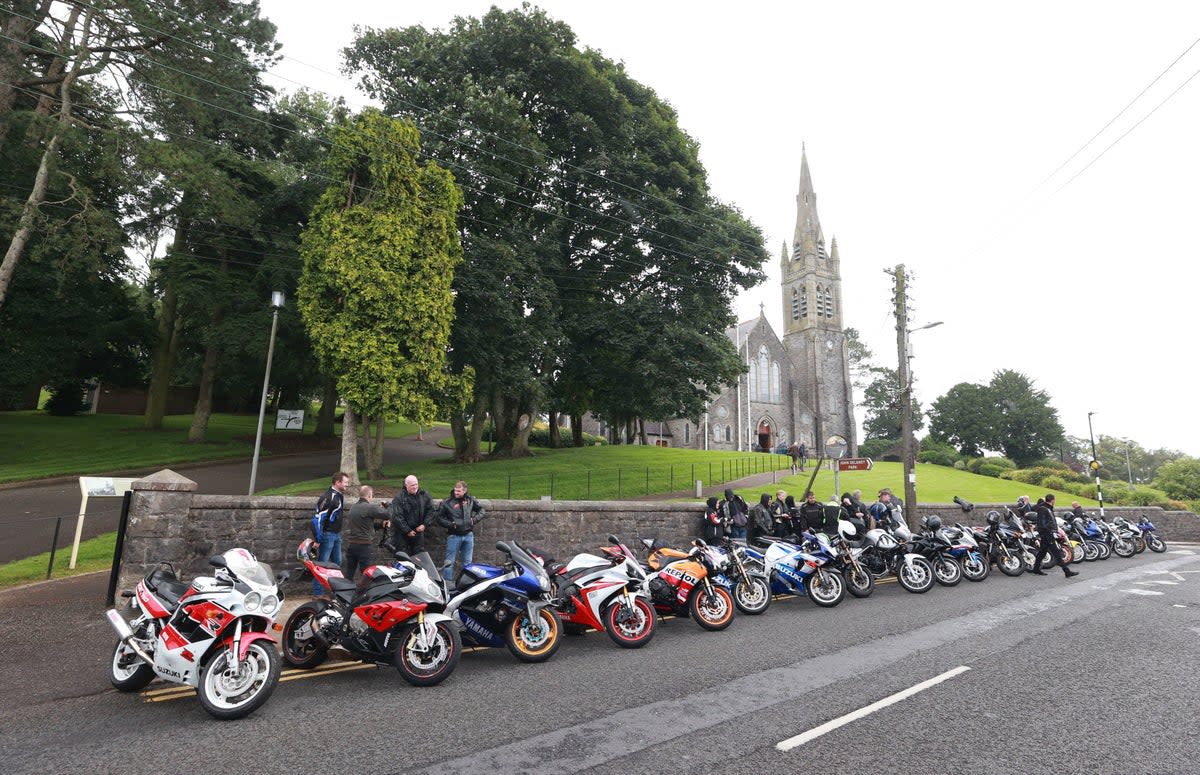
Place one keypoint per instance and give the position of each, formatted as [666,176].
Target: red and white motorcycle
[607,592]
[212,634]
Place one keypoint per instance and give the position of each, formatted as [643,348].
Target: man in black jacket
[458,514]
[1047,526]
[326,526]
[812,514]
[364,519]
[411,511]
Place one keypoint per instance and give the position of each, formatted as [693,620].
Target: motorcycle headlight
[270,605]
[252,601]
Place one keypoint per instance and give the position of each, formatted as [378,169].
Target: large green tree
[379,255]
[1180,478]
[584,205]
[1008,415]
[881,406]
[964,416]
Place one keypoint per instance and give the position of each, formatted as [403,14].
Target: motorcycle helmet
[932,522]
[993,518]
[308,550]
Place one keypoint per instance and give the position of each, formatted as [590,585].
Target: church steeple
[808,242]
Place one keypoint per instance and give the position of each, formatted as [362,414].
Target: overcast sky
[934,132]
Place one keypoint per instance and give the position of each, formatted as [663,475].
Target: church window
[774,383]
[716,433]
[728,435]
[687,433]
[828,303]
[821,248]
[821,301]
[795,304]
[804,303]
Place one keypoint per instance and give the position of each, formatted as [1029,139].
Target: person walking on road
[1047,526]
[327,523]
[458,514]
[411,511]
[363,520]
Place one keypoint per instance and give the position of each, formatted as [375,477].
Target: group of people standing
[405,518]
[782,517]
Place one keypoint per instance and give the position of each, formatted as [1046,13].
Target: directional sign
[855,464]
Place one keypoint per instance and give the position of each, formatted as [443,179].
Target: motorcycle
[1077,534]
[884,553]
[946,569]
[510,605]
[965,548]
[860,582]
[389,617]
[212,634]
[1153,541]
[1133,532]
[1000,546]
[745,579]
[801,569]
[605,592]
[682,583]
[1119,540]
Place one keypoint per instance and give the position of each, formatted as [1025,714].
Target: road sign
[855,464]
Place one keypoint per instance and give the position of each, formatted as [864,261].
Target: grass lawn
[935,484]
[94,554]
[41,445]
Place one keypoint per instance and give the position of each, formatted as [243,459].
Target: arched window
[828,303]
[762,377]
[804,302]
[775,383]
[795,304]
[728,435]
[716,433]
[687,433]
[820,301]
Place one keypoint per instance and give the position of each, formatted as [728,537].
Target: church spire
[808,243]
[833,253]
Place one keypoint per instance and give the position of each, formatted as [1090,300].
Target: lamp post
[908,444]
[1128,466]
[276,305]
[1095,466]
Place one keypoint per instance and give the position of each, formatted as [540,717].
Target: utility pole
[907,454]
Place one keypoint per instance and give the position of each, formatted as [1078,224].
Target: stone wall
[170,522]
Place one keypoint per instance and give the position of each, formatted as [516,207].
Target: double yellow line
[176,692]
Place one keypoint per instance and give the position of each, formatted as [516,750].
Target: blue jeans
[331,551]
[455,546]
[737,532]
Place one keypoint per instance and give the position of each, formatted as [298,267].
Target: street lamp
[1128,467]
[908,444]
[1095,466]
[276,305]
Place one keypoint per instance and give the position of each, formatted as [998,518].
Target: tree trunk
[373,434]
[555,434]
[512,440]
[16,31]
[630,430]
[458,431]
[198,433]
[350,446]
[577,430]
[328,409]
[641,424]
[165,344]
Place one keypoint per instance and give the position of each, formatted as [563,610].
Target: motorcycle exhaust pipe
[126,635]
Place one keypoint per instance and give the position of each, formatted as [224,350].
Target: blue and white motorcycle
[802,569]
[1150,533]
[509,605]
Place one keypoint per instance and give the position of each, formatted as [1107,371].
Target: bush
[1174,505]
[1037,475]
[876,449]
[1055,483]
[974,464]
[991,469]
[1138,496]
[960,465]
[937,452]
[540,437]
[65,400]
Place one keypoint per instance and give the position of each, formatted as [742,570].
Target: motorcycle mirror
[282,576]
[502,547]
[217,561]
[612,539]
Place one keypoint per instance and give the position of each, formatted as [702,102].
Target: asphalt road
[28,518]
[1091,675]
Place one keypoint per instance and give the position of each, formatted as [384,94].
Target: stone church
[798,386]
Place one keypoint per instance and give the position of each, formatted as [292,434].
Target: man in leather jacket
[1047,527]
[458,514]
[411,511]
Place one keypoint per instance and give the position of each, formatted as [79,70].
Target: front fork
[235,647]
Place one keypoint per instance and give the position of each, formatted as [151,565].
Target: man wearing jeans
[458,514]
[327,523]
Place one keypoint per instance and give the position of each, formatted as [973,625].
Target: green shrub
[1174,505]
[1139,495]
[876,449]
[540,437]
[991,469]
[937,452]
[974,464]
[65,400]
[960,465]
[1037,475]
[1054,483]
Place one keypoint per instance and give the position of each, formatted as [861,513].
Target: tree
[379,255]
[1008,414]
[964,416]
[1180,478]
[584,202]
[881,405]
[858,356]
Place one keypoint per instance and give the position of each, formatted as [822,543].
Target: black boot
[1069,573]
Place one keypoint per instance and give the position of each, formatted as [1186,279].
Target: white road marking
[815,732]
[1160,581]
[1182,551]
[1177,605]
[1143,592]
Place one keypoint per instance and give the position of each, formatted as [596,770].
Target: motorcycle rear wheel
[1156,544]
[916,579]
[1091,552]
[711,610]
[630,629]
[229,695]
[127,671]
[534,641]
[1139,545]
[752,595]
[434,665]
[301,649]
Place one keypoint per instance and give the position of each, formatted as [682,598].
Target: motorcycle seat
[165,586]
[329,565]
[341,585]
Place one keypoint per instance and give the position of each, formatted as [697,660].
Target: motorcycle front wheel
[752,595]
[1010,564]
[859,581]
[128,672]
[228,693]
[947,571]
[1123,548]
[711,610]
[916,578]
[435,662]
[630,627]
[976,567]
[1156,544]
[1091,552]
[533,641]
[301,648]
[1139,545]
[826,588]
